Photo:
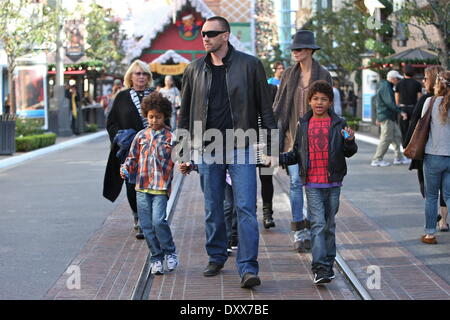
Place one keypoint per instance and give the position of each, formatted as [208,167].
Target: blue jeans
[173,120]
[436,171]
[152,219]
[323,205]
[230,215]
[296,193]
[243,177]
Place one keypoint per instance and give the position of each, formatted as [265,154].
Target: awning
[413,54]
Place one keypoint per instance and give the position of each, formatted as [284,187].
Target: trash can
[100,117]
[7,134]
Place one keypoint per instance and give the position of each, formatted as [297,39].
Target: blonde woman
[125,116]
[436,163]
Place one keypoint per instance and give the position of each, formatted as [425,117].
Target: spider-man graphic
[318,132]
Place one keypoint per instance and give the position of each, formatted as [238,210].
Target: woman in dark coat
[125,115]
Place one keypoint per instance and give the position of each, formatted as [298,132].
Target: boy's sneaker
[402,161]
[307,239]
[379,163]
[229,250]
[321,276]
[172,261]
[331,274]
[157,267]
[299,244]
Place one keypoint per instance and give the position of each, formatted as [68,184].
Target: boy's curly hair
[156,101]
[323,87]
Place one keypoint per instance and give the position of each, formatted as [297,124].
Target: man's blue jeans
[243,177]
[152,219]
[296,193]
[323,205]
[436,171]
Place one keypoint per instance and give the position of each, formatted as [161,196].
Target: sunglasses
[212,34]
[298,50]
[141,74]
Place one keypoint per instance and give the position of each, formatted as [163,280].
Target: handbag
[416,146]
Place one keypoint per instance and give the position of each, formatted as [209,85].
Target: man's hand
[185,168]
[404,115]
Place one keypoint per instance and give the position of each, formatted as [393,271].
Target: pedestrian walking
[407,92]
[171,92]
[123,122]
[429,81]
[322,143]
[387,112]
[290,104]
[227,89]
[436,163]
[337,100]
[76,116]
[149,165]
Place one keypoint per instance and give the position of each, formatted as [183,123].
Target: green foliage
[33,142]
[91,127]
[105,38]
[341,36]
[352,122]
[27,127]
[435,13]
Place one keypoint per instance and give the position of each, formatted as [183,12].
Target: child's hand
[350,132]
[123,173]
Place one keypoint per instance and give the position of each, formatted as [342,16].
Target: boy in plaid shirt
[149,163]
[322,143]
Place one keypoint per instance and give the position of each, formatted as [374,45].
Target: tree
[341,36]
[430,12]
[26,27]
[104,38]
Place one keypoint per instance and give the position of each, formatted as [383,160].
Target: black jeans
[266,187]
[131,195]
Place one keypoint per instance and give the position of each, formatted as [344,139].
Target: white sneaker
[172,261]
[157,267]
[379,163]
[402,161]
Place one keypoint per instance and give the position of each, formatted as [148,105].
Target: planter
[7,136]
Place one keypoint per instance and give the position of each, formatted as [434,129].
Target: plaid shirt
[150,159]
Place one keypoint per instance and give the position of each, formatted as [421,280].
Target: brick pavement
[284,273]
[362,243]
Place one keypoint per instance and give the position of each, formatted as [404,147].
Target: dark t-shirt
[408,89]
[219,111]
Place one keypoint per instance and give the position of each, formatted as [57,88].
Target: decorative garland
[91,65]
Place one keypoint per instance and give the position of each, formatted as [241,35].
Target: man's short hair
[223,22]
[156,101]
[321,86]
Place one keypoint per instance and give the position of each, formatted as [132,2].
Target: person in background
[387,112]
[171,92]
[407,92]
[75,110]
[436,162]
[278,69]
[429,81]
[125,120]
[337,100]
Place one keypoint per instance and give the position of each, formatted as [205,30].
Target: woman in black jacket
[125,115]
[429,81]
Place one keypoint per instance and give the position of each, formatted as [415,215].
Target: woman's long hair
[431,74]
[442,88]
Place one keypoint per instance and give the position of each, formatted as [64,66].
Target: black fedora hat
[304,39]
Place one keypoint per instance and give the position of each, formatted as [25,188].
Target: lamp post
[61,102]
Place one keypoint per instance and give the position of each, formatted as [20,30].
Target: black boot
[267,216]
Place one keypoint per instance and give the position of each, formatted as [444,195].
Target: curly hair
[323,87]
[156,101]
[442,88]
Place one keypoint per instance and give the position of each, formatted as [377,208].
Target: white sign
[369,89]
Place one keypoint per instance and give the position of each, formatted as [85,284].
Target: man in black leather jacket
[226,90]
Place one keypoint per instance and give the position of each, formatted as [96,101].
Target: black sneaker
[321,277]
[331,274]
[212,269]
[249,280]
[229,251]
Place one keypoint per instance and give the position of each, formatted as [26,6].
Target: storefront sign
[167,69]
